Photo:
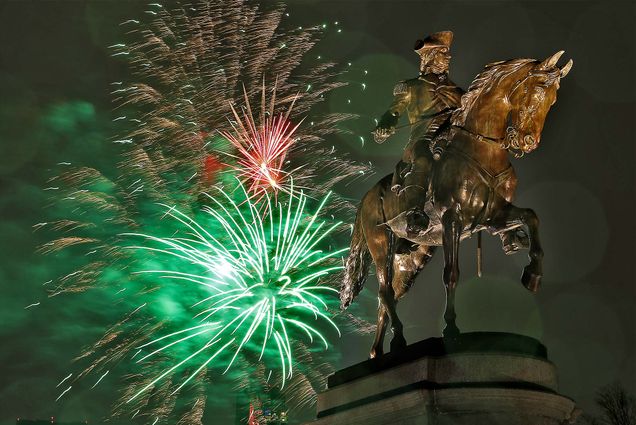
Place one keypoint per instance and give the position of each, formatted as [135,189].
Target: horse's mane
[489,77]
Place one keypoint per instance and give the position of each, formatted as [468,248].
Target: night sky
[55,106]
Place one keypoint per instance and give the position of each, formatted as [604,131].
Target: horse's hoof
[374,354]
[530,280]
[398,343]
[451,331]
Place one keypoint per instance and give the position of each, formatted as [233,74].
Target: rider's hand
[380,134]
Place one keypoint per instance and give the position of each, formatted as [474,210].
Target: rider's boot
[414,195]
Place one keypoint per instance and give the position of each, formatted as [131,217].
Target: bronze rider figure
[428,101]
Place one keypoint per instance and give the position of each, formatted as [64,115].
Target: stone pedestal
[474,379]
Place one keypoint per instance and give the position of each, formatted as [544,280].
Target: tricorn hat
[438,39]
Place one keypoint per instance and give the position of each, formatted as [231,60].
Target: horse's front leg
[452,229]
[533,272]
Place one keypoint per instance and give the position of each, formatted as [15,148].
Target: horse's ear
[566,68]
[550,62]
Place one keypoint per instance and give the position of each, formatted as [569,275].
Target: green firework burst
[259,280]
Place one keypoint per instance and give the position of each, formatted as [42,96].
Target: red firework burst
[262,147]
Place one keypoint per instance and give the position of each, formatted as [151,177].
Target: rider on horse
[428,101]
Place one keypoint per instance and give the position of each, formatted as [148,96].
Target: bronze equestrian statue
[428,101]
[471,188]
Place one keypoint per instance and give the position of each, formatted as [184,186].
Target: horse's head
[509,101]
[530,99]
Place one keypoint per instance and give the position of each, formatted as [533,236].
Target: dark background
[55,106]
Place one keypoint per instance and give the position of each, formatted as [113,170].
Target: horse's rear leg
[452,228]
[389,297]
[382,248]
[377,349]
[405,269]
[378,241]
[384,282]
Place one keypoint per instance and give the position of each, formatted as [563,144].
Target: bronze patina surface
[469,189]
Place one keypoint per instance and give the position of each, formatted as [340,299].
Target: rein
[500,142]
[426,117]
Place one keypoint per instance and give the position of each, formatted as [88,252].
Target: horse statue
[471,189]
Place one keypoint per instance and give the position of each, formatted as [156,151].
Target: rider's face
[438,60]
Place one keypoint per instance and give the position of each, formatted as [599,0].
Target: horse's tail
[357,265]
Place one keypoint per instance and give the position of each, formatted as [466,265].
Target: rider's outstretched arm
[388,121]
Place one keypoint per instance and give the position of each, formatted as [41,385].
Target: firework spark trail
[192,84]
[261,274]
[64,380]
[63,392]
[100,379]
[262,147]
